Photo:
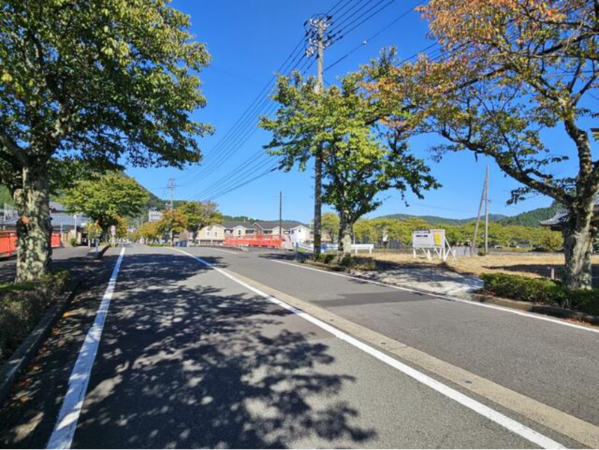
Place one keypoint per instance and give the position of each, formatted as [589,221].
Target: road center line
[64,430]
[444,297]
[489,413]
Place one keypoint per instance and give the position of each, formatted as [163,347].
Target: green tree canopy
[358,161]
[107,200]
[200,214]
[330,225]
[513,70]
[172,221]
[102,82]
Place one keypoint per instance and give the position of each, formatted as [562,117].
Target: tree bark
[34,227]
[579,234]
[345,235]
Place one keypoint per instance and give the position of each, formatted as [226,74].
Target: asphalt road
[552,363]
[70,258]
[191,356]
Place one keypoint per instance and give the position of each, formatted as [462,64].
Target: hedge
[541,290]
[22,306]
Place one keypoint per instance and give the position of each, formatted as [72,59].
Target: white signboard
[428,239]
[112,230]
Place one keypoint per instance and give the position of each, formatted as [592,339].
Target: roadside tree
[98,82]
[511,71]
[199,215]
[330,225]
[148,232]
[172,221]
[107,200]
[358,162]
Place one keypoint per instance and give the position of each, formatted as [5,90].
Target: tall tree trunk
[34,227]
[345,235]
[579,234]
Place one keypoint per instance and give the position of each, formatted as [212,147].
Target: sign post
[112,234]
[431,241]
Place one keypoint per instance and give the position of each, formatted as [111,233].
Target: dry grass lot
[527,264]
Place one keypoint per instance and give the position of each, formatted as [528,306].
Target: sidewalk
[435,280]
[68,258]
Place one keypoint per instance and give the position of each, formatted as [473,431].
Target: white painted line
[64,430]
[226,251]
[446,297]
[515,427]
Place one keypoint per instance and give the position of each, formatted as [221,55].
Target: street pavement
[553,363]
[193,354]
[66,258]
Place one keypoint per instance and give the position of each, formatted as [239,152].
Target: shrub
[73,242]
[326,258]
[539,290]
[585,300]
[23,305]
[534,290]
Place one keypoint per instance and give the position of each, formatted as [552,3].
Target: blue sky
[248,41]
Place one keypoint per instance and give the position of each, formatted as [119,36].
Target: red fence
[255,241]
[8,242]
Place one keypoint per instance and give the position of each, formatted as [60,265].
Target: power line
[375,35]
[257,105]
[337,30]
[272,169]
[241,135]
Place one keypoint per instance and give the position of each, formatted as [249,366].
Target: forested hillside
[436,220]
[532,218]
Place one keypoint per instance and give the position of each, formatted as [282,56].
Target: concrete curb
[329,267]
[16,364]
[540,309]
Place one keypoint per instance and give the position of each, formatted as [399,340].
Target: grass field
[531,264]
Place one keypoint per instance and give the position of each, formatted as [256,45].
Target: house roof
[271,224]
[561,217]
[233,224]
[558,219]
[58,218]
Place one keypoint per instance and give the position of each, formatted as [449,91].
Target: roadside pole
[316,35]
[281,218]
[487,212]
[483,197]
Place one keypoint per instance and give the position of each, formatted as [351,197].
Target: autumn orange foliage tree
[510,69]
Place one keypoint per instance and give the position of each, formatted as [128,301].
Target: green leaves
[359,161]
[113,80]
[200,214]
[107,200]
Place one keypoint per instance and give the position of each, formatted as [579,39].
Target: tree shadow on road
[185,364]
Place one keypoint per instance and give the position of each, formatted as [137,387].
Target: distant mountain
[436,220]
[526,219]
[532,218]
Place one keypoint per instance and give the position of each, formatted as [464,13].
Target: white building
[154,216]
[300,234]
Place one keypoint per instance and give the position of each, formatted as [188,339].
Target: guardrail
[324,247]
[8,242]
[268,242]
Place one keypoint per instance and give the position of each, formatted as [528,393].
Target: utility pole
[318,40]
[487,212]
[171,189]
[483,197]
[281,218]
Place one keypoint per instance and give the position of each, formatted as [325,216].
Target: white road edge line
[510,424]
[225,251]
[64,430]
[446,297]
